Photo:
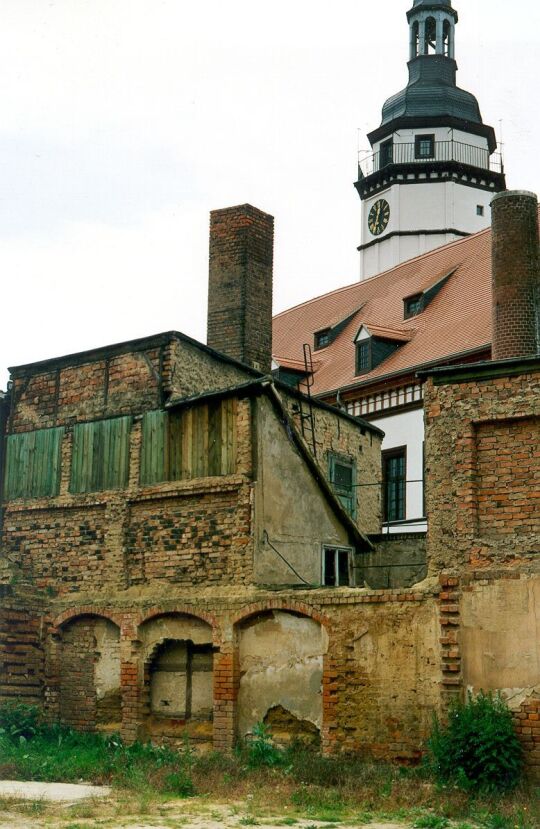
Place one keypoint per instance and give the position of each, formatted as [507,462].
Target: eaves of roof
[484,370]
[115,349]
[256,386]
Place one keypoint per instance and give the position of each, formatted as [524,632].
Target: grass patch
[295,784]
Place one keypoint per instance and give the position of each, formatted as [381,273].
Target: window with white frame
[337,567]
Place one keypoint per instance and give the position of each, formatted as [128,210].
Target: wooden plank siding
[33,463]
[100,458]
[192,443]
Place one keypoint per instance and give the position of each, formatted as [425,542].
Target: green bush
[261,751]
[478,747]
[19,721]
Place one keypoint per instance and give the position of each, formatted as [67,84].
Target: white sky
[124,122]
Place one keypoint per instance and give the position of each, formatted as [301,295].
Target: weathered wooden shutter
[100,458]
[33,463]
[154,465]
[191,443]
[343,478]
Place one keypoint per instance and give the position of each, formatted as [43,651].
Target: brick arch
[86,610]
[180,610]
[281,604]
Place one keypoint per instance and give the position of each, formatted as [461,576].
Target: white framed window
[337,566]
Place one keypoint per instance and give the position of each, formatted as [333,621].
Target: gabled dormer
[415,304]
[375,344]
[324,337]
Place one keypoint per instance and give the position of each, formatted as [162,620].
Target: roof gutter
[417,370]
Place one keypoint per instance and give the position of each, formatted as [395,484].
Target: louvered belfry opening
[515,275]
[240,285]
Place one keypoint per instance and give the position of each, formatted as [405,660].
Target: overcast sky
[124,122]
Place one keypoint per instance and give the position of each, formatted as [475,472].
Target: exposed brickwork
[508,476]
[480,435]
[198,539]
[449,617]
[527,722]
[78,707]
[516,275]
[483,478]
[21,649]
[377,641]
[240,285]
[60,550]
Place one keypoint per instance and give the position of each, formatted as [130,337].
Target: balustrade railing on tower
[420,153]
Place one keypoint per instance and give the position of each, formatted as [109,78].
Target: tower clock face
[379,216]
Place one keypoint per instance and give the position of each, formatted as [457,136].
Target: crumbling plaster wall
[291,512]
[385,661]
[281,664]
[500,637]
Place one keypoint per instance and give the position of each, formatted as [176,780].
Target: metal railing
[439,151]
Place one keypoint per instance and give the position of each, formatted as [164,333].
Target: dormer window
[416,303]
[424,146]
[363,357]
[375,344]
[413,305]
[322,338]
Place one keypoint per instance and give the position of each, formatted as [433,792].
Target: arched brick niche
[176,668]
[281,655]
[88,672]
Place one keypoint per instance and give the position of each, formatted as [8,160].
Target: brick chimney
[515,275]
[240,284]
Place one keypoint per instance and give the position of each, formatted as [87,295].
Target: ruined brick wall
[115,381]
[341,436]
[482,471]
[188,531]
[193,539]
[482,494]
[374,671]
[21,648]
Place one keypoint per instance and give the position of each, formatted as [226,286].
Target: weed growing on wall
[478,747]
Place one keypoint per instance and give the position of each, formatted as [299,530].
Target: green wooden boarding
[192,443]
[33,463]
[100,458]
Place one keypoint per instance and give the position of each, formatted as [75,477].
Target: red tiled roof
[457,320]
[389,333]
[294,365]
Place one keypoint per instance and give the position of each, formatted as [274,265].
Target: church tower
[432,172]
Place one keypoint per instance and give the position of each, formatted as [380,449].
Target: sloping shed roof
[457,320]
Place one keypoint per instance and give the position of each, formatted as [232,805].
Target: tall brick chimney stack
[515,275]
[240,285]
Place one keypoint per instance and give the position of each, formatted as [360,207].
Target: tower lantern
[431,174]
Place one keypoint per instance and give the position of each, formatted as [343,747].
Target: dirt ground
[69,806]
